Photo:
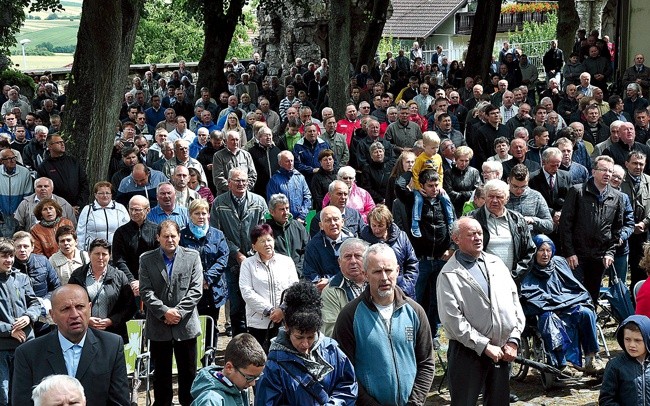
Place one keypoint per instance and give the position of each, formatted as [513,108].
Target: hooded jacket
[287,373]
[210,389]
[627,381]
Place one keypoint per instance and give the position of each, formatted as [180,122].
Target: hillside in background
[60,33]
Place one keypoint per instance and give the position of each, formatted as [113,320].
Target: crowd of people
[341,245]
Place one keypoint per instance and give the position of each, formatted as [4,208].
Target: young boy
[429,158]
[19,309]
[625,374]
[474,203]
[244,362]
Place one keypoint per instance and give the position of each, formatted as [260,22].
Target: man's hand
[19,335]
[493,352]
[96,322]
[20,323]
[509,351]
[76,210]
[639,227]
[529,220]
[240,257]
[277,315]
[573,262]
[172,316]
[607,261]
[135,287]
[320,285]
[556,218]
[447,254]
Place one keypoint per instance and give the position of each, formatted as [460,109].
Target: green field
[37,62]
[61,32]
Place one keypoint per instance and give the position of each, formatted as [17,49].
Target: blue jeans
[6,372]
[418,201]
[425,290]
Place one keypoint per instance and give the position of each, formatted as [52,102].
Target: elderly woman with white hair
[358,198]
[505,232]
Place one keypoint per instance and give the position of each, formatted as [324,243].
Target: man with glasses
[591,224]
[67,173]
[232,157]
[236,212]
[15,182]
[133,239]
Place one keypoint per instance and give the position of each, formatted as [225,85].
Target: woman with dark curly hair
[305,367]
[48,213]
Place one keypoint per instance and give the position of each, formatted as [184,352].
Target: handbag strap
[310,385]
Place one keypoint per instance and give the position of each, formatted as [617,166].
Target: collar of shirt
[101,277]
[66,344]
[491,215]
[467,260]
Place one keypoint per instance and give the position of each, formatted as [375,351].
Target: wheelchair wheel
[518,372]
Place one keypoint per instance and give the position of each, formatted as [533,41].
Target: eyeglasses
[10,158]
[617,177]
[347,178]
[239,180]
[57,142]
[604,170]
[249,378]
[136,209]
[103,193]
[518,187]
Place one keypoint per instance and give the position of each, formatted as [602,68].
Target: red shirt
[347,127]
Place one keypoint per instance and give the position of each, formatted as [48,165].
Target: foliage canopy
[170,32]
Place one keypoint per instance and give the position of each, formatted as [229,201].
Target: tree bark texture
[568,23]
[219,27]
[374,30]
[339,44]
[479,53]
[98,80]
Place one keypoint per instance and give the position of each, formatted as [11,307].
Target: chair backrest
[637,288]
[135,329]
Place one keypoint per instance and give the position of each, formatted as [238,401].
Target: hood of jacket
[644,325]
[282,350]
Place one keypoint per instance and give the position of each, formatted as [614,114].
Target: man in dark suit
[171,285]
[553,184]
[94,357]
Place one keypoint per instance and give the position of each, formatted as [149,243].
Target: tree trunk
[481,43]
[98,78]
[339,58]
[375,27]
[219,27]
[568,23]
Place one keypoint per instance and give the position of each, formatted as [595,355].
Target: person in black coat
[321,180]
[376,173]
[110,293]
[460,181]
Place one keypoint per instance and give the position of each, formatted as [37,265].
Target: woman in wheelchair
[565,315]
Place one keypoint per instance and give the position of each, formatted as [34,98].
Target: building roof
[419,18]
